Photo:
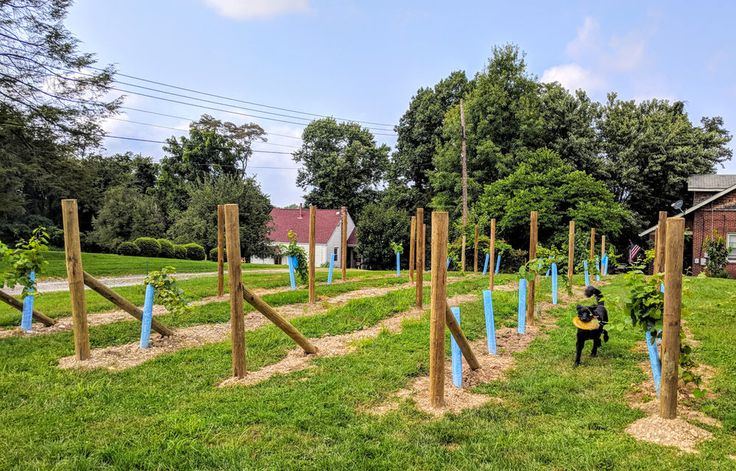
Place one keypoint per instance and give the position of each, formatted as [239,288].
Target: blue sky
[364,60]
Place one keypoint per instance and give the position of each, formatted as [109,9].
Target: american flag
[633,252]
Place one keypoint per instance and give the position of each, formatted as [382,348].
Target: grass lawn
[103,264]
[168,413]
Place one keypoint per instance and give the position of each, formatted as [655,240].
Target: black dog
[586,314]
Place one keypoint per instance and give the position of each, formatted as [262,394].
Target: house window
[731,240]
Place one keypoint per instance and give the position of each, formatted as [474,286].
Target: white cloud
[585,40]
[573,77]
[252,9]
[625,53]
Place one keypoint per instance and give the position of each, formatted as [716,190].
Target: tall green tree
[380,225]
[341,165]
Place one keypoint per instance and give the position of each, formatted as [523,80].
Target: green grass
[103,264]
[169,414]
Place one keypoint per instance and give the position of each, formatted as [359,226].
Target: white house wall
[320,254]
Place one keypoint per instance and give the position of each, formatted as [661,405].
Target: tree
[543,182]
[198,223]
[342,165]
[377,229]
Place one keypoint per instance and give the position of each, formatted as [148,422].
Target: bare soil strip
[335,345]
[121,357]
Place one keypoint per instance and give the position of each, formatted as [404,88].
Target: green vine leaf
[167,292]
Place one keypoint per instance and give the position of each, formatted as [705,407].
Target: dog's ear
[592,291]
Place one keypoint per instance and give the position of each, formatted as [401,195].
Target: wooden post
[660,251]
[312,255]
[412,243]
[461,339]
[419,252]
[603,247]
[475,251]
[237,319]
[10,300]
[98,287]
[531,291]
[264,308]
[440,223]
[570,254]
[673,255]
[220,250]
[591,255]
[344,243]
[75,276]
[492,255]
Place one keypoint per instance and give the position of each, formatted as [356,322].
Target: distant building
[327,235]
[714,209]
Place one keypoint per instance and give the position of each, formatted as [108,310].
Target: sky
[364,60]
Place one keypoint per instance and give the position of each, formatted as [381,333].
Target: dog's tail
[593,291]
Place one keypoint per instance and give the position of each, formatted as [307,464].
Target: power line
[164,142]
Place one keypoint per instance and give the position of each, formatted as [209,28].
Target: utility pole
[464,162]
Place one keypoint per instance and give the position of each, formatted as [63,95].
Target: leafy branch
[27,257]
[167,292]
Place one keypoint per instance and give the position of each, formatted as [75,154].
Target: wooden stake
[531,291]
[412,243]
[603,247]
[492,255]
[475,251]
[220,250]
[98,287]
[237,319]
[570,254]
[673,255]
[10,300]
[344,243]
[419,252]
[75,277]
[440,223]
[660,251]
[591,255]
[312,248]
[462,341]
[264,308]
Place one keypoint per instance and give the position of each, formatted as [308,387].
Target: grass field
[103,264]
[168,413]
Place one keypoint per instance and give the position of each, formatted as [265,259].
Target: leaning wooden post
[439,308]
[661,243]
[570,255]
[237,319]
[591,255]
[11,301]
[419,253]
[671,326]
[412,243]
[531,292]
[344,243]
[492,254]
[475,250]
[75,276]
[220,250]
[462,341]
[312,258]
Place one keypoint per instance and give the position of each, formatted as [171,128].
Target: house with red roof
[328,227]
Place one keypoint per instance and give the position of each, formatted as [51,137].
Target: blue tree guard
[604,265]
[498,264]
[147,316]
[522,307]
[398,264]
[654,361]
[661,287]
[587,275]
[26,320]
[457,356]
[598,269]
[490,323]
[549,270]
[332,267]
[554,283]
[292,261]
[485,264]
[448,262]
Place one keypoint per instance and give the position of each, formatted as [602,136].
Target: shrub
[148,246]
[167,248]
[180,252]
[195,251]
[717,250]
[128,248]
[213,254]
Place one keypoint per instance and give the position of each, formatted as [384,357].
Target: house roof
[297,220]
[698,206]
[353,238]
[710,182]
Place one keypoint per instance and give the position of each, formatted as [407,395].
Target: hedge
[167,248]
[128,248]
[195,251]
[148,246]
[180,252]
[213,254]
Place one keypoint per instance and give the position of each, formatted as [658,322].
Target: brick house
[327,234]
[713,209]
